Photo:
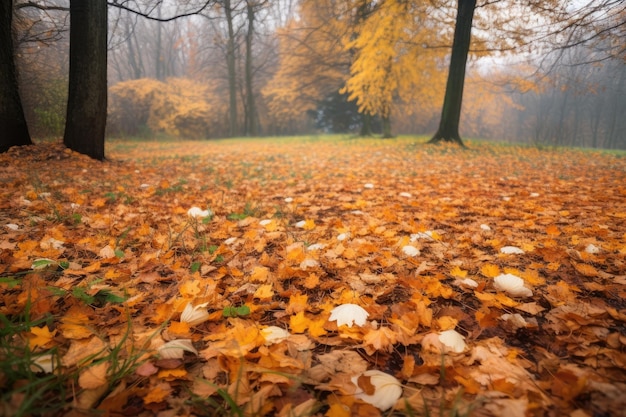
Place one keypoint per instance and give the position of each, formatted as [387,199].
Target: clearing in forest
[204,278]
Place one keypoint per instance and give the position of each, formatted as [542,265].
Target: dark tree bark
[87,95]
[13,128]
[451,113]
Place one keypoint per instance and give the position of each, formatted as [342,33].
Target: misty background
[221,73]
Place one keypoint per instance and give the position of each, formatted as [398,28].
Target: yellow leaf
[316,327]
[490,270]
[42,336]
[338,410]
[299,323]
[259,274]
[447,323]
[190,288]
[264,292]
[458,272]
[309,224]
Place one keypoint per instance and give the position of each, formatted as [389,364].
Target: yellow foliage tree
[178,107]
[313,60]
[391,64]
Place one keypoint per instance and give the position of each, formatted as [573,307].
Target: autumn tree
[313,61]
[390,63]
[12,120]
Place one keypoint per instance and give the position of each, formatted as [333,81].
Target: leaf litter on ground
[198,277]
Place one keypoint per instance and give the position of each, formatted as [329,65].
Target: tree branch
[115,3]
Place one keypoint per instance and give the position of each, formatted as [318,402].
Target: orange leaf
[338,410]
[178,328]
[552,230]
[74,325]
[365,383]
[490,270]
[297,303]
[586,269]
[172,374]
[93,376]
[158,393]
[470,385]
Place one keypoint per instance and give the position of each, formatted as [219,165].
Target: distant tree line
[220,68]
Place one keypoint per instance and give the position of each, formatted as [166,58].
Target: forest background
[550,74]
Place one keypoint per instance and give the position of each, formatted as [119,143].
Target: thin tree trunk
[13,128]
[136,73]
[158,56]
[251,125]
[451,112]
[87,94]
[386,127]
[232,79]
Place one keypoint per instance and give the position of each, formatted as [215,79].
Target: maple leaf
[490,270]
[42,336]
[158,393]
[381,339]
[299,323]
[458,272]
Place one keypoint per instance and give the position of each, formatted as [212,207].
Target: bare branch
[119,5]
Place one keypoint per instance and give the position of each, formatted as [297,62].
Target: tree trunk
[251,125]
[387,127]
[136,72]
[366,127]
[12,121]
[232,79]
[451,113]
[87,95]
[158,64]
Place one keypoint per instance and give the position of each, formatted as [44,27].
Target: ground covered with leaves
[203,278]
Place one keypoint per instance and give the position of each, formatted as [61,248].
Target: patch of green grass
[25,388]
[248,211]
[33,381]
